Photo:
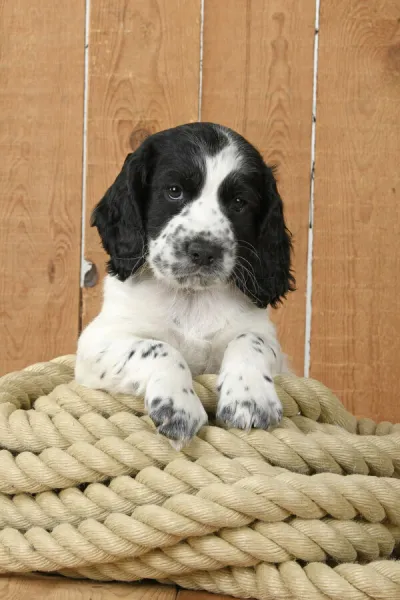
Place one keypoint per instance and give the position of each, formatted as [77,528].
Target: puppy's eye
[175,192]
[238,204]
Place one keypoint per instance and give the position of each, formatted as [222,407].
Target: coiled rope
[310,510]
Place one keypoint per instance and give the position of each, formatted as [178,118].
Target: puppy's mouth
[190,277]
[200,279]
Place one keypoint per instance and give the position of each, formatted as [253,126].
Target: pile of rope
[308,511]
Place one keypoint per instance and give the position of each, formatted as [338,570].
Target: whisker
[250,247]
[247,261]
[239,276]
[249,272]
[142,255]
[241,279]
[246,290]
[248,244]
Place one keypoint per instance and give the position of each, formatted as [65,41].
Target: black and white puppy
[198,248]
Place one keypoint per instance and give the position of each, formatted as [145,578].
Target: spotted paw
[178,417]
[248,399]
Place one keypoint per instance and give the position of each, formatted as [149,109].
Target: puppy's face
[198,203]
[195,203]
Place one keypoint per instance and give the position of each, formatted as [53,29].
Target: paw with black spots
[178,417]
[248,399]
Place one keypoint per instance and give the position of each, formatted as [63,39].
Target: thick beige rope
[89,489]
[150,532]
[113,455]
[378,580]
[213,508]
[196,547]
[282,494]
[93,460]
[75,435]
[298,395]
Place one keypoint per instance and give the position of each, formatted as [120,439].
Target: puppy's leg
[144,366]
[247,393]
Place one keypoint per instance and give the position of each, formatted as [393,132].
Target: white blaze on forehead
[218,167]
[206,208]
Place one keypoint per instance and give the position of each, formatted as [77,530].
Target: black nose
[204,253]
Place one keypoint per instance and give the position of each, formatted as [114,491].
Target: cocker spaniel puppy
[198,248]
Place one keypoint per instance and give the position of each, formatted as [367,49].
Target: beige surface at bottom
[55,588]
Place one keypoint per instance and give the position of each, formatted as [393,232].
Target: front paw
[178,417]
[248,399]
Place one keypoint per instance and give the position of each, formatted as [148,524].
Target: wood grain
[143,77]
[54,588]
[188,595]
[257,79]
[356,286]
[41,117]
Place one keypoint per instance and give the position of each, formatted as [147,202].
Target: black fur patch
[151,351]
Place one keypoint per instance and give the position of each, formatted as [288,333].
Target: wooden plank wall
[356,260]
[41,121]
[248,64]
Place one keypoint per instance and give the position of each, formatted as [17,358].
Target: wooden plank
[54,588]
[356,286]
[257,79]
[188,595]
[144,77]
[41,117]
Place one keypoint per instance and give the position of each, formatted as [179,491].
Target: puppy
[198,248]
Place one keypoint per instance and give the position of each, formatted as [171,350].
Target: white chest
[196,320]
[190,321]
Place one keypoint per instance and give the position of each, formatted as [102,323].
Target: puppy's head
[200,206]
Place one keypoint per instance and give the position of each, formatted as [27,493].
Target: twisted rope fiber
[299,395]
[282,494]
[94,459]
[155,533]
[89,489]
[214,507]
[67,440]
[112,456]
[378,580]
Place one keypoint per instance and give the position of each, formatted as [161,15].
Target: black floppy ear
[119,218]
[273,278]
